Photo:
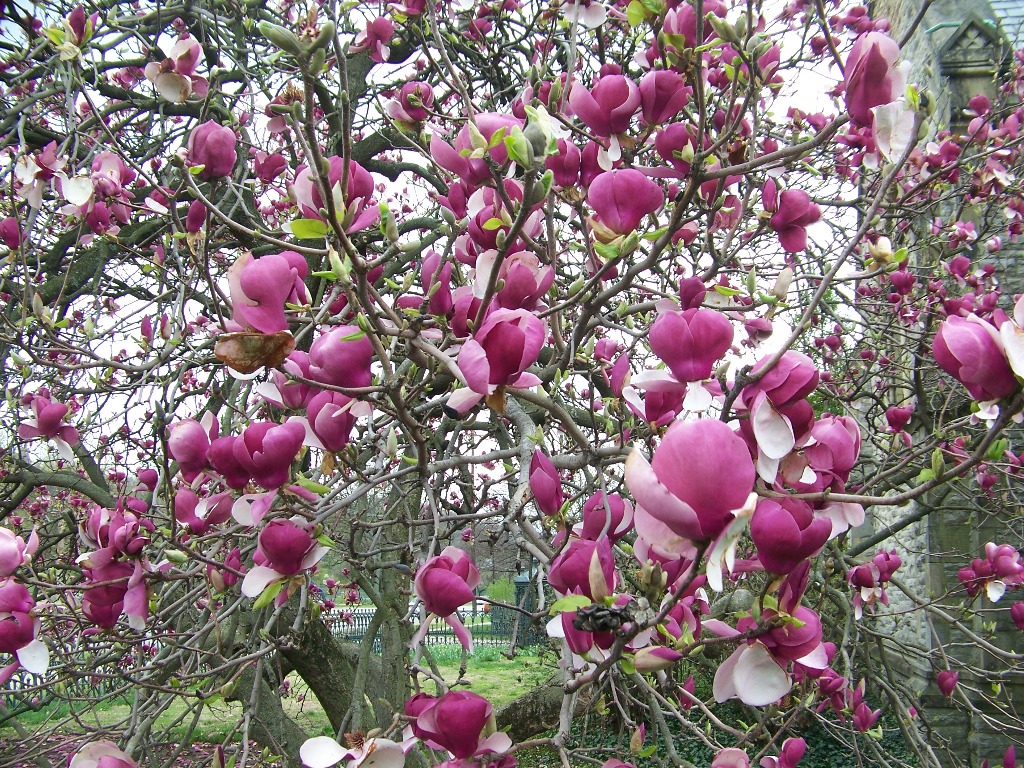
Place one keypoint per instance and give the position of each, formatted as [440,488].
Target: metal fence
[496,627]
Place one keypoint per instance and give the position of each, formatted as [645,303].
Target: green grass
[488,673]
[491,674]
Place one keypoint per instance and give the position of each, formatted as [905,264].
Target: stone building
[960,49]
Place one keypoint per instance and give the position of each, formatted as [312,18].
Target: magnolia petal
[995,590]
[462,634]
[77,191]
[1013,343]
[526,380]
[322,752]
[380,753]
[759,679]
[258,578]
[772,430]
[496,743]
[655,498]
[35,657]
[893,129]
[816,659]
[767,468]
[461,400]
[697,399]
[173,87]
[63,449]
[724,686]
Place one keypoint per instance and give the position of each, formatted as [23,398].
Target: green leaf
[325,541]
[723,290]
[569,603]
[355,336]
[997,449]
[924,476]
[55,34]
[635,13]
[627,665]
[309,485]
[606,251]
[309,229]
[938,463]
[648,751]
[195,170]
[267,596]
[900,255]
[497,137]
[493,223]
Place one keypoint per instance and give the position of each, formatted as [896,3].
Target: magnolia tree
[670,294]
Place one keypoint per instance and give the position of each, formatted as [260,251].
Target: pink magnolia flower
[946,680]
[792,212]
[457,722]
[174,78]
[654,658]
[212,146]
[565,164]
[609,106]
[605,515]
[498,354]
[1017,615]
[700,473]
[114,588]
[100,754]
[188,442]
[412,103]
[356,207]
[375,38]
[200,515]
[15,551]
[971,351]
[10,233]
[444,583]
[779,415]
[584,567]
[864,718]
[691,342]
[80,26]
[545,484]
[790,755]
[622,198]
[47,422]
[466,160]
[285,548]
[898,417]
[786,532]
[115,532]
[266,450]
[284,391]
[730,757]
[663,94]
[331,417]
[323,752]
[260,288]
[268,167]
[195,219]
[589,646]
[870,579]
[341,357]
[222,579]
[1000,568]
[523,280]
[19,630]
[871,75]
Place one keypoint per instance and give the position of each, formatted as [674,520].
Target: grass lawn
[488,673]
